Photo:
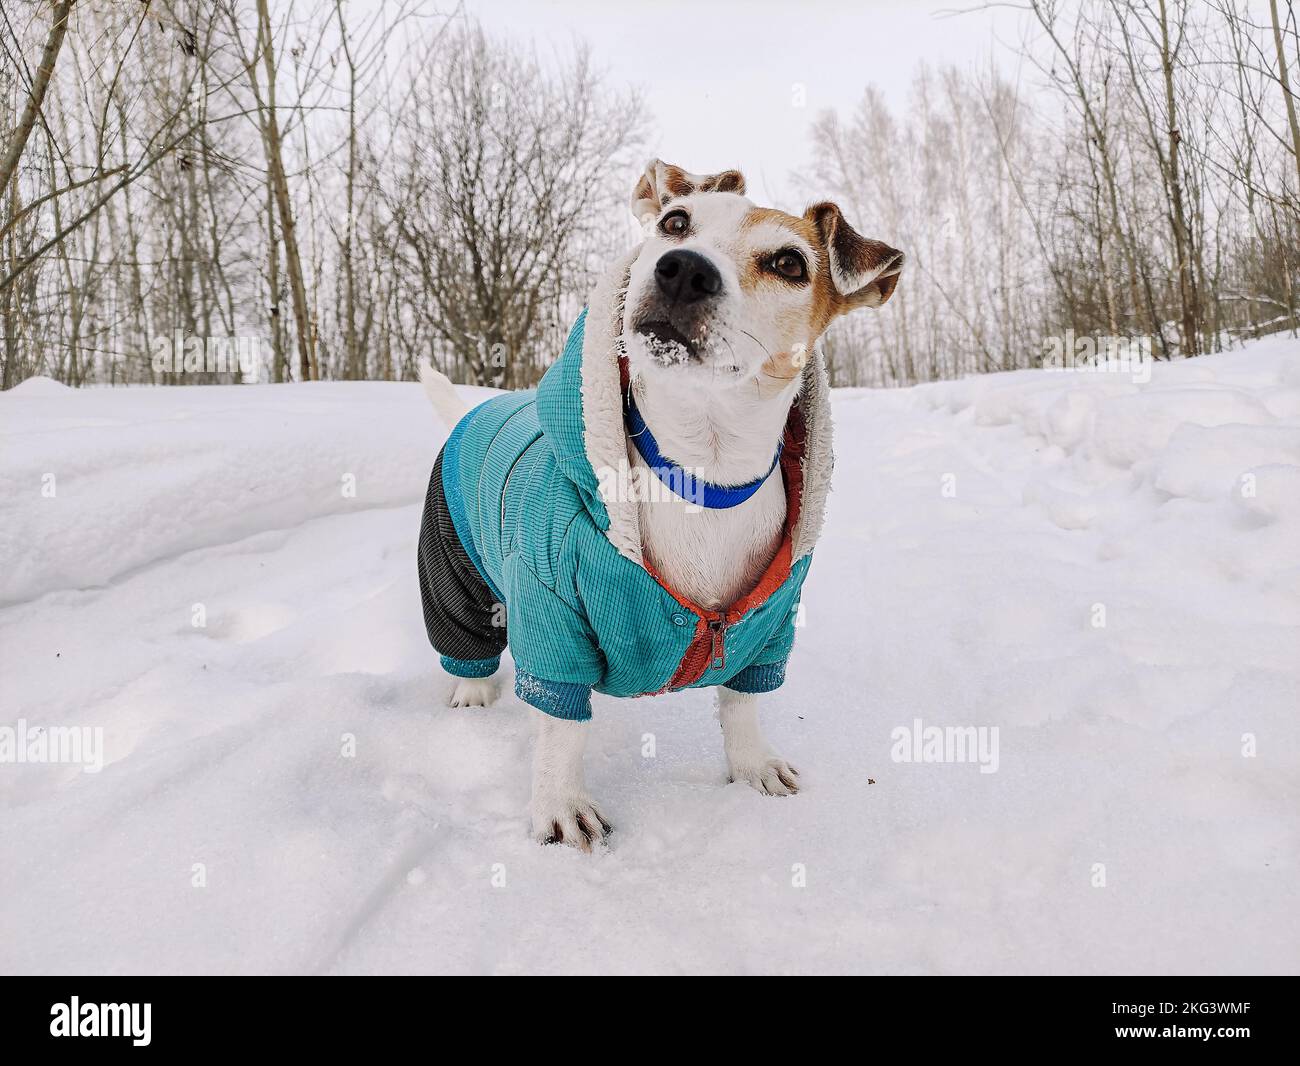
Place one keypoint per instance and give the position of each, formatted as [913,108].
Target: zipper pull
[718,626]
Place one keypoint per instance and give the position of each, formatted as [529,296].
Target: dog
[643,520]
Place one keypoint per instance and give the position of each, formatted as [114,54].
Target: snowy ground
[975,529]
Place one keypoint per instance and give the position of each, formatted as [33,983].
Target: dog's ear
[864,271]
[662,182]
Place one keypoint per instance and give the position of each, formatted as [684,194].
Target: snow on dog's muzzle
[674,316]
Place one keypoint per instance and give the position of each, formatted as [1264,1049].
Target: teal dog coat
[530,497]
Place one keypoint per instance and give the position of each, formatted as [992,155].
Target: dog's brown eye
[789,265]
[675,223]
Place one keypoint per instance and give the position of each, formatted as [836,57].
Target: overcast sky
[721,76]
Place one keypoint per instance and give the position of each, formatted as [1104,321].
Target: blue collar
[681,481]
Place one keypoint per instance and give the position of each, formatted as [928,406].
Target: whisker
[765,348]
[735,366]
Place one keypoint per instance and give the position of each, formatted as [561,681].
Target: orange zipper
[718,627]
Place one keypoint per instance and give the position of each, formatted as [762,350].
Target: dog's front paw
[474,692]
[574,820]
[764,771]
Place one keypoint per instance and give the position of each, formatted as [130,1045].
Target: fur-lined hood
[580,409]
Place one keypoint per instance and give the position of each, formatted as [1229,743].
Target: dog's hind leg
[465,622]
[474,692]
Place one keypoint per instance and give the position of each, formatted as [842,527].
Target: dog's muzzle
[687,289]
[685,277]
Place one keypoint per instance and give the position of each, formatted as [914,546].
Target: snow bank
[97,483]
[1104,572]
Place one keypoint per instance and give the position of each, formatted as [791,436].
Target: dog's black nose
[687,277]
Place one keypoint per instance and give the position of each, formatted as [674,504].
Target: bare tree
[502,188]
[279,186]
[36,96]
[364,189]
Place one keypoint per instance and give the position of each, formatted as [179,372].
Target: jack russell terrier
[643,520]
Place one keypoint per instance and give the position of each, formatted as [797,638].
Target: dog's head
[736,290]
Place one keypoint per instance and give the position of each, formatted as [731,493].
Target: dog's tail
[442,394]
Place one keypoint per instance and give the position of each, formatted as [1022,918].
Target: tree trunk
[280,189]
[1182,244]
[40,84]
[1285,81]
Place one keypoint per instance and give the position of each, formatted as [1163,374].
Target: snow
[283,788]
